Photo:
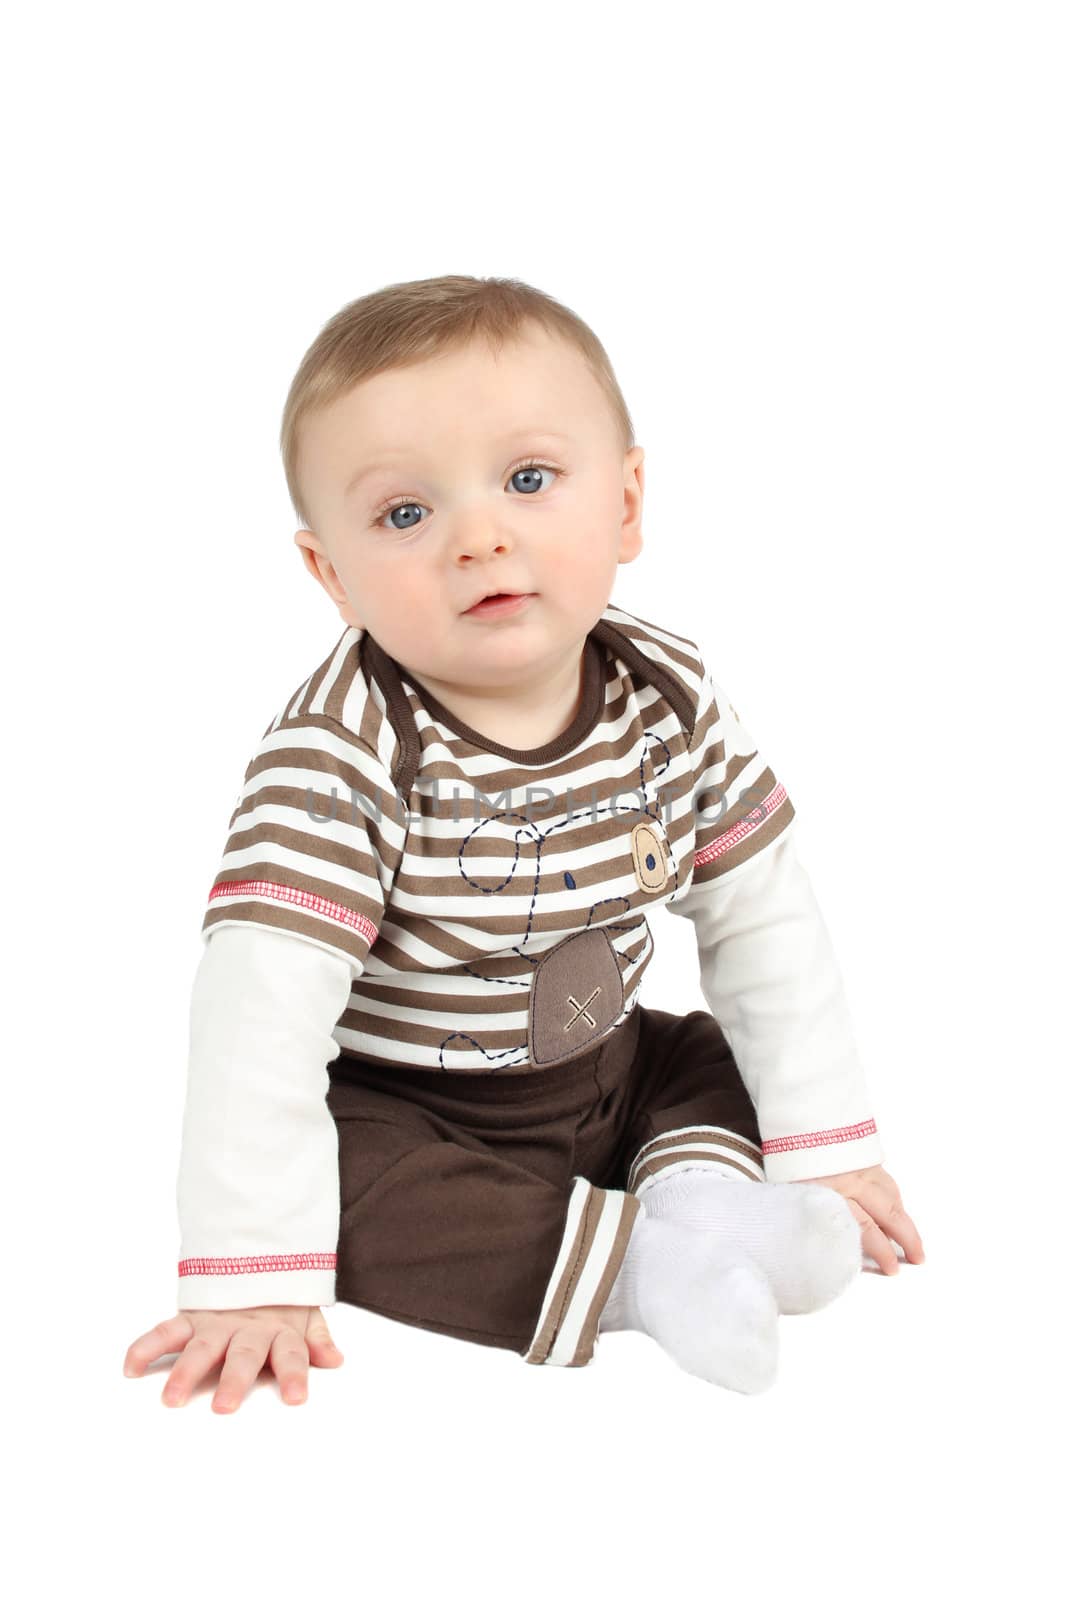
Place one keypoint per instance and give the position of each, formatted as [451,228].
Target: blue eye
[529,473]
[649,862]
[568,879]
[405,505]
[532,474]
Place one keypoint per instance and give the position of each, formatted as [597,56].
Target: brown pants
[496,1206]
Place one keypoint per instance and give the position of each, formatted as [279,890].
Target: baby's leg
[699,1161]
[708,1305]
[710,1226]
[803,1238]
[441,1229]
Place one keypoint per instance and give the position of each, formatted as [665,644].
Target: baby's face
[418,486]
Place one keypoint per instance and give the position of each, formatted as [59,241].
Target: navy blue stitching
[530,829]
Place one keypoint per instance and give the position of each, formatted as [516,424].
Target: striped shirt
[445,866]
[457,904]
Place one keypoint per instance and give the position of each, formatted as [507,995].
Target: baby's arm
[258,1183]
[770,977]
[294,909]
[769,974]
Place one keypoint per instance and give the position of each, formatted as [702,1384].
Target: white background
[823,246]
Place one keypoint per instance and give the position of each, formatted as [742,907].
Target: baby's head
[456,437]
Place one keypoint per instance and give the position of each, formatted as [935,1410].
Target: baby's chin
[488,647]
[535,633]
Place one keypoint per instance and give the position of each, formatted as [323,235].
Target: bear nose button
[649,857]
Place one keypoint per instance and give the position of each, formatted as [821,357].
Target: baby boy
[421,1079]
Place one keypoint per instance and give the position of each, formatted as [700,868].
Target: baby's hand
[282,1335]
[874,1198]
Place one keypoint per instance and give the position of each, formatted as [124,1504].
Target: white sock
[802,1236]
[708,1305]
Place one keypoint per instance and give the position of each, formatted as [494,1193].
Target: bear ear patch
[576,997]
[649,858]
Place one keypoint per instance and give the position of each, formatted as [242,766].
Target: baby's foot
[802,1236]
[707,1304]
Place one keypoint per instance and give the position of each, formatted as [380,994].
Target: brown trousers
[496,1206]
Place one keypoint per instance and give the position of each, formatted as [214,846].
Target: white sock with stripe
[803,1237]
[706,1303]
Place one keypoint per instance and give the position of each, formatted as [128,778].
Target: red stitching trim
[804,1141]
[299,897]
[763,811]
[225,1265]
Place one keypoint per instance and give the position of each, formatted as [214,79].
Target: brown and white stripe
[697,1145]
[444,905]
[599,1223]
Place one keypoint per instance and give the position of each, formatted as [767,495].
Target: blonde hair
[408,322]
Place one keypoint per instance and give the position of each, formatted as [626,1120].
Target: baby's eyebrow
[530,434]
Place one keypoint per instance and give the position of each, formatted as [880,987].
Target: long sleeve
[313,847]
[258,1180]
[767,967]
[771,979]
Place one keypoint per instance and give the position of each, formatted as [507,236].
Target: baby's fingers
[248,1350]
[882,1202]
[288,1357]
[203,1351]
[163,1340]
[874,1243]
[324,1352]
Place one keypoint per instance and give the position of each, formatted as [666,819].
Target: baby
[421,1079]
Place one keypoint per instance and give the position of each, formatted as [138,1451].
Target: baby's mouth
[493,603]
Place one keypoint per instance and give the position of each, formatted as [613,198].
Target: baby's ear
[323,571]
[631,544]
[632,541]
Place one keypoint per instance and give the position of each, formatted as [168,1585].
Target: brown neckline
[589,711]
